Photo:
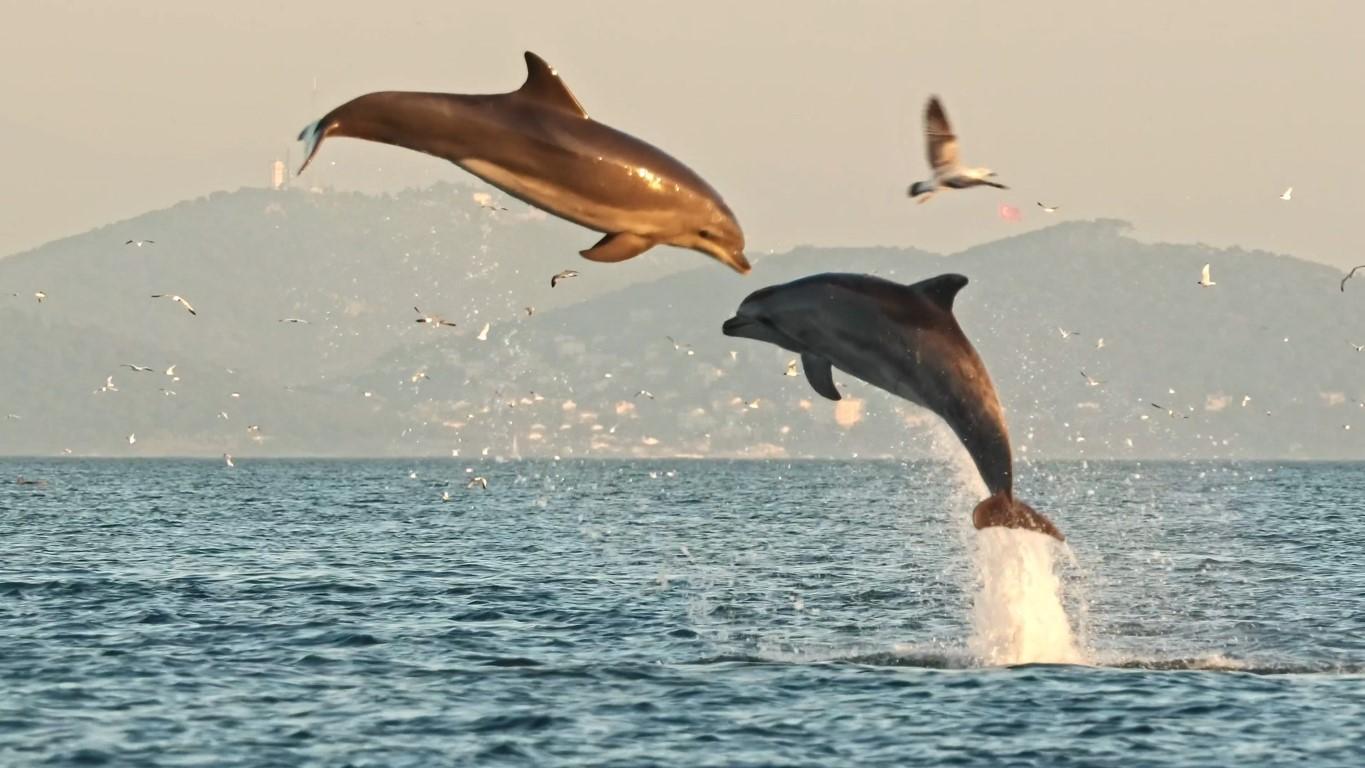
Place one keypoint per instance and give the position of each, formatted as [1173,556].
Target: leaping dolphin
[905,340]
[539,145]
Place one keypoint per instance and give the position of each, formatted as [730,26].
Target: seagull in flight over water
[432,320]
[136,368]
[1204,279]
[1349,275]
[1288,194]
[1049,208]
[949,173]
[177,299]
[565,275]
[140,243]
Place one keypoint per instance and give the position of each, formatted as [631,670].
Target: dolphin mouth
[738,263]
[736,325]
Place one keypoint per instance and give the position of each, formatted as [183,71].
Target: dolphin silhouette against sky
[903,339]
[539,145]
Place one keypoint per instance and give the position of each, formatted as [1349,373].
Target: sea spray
[1017,614]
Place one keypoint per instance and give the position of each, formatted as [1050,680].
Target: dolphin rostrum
[539,145]
[903,339]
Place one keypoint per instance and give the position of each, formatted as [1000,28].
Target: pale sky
[1187,118]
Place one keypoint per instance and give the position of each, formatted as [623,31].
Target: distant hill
[362,378]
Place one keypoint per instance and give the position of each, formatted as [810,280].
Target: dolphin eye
[705,233]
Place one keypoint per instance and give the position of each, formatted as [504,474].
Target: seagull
[1358,347]
[942,146]
[1245,399]
[167,392]
[479,481]
[1067,334]
[752,404]
[139,243]
[1091,381]
[171,372]
[223,415]
[791,368]
[177,299]
[420,375]
[433,320]
[1099,343]
[297,320]
[227,459]
[1168,411]
[254,429]
[646,393]
[1288,194]
[530,311]
[1049,208]
[679,346]
[132,438]
[137,368]
[13,417]
[1348,276]
[108,385]
[565,275]
[445,495]
[483,334]
[485,201]
[39,295]
[1204,281]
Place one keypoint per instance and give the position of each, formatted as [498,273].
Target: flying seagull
[646,393]
[530,311]
[483,334]
[297,320]
[432,320]
[1049,208]
[479,481]
[1358,347]
[679,346]
[1168,411]
[135,367]
[132,438]
[139,243]
[1067,334]
[1349,275]
[108,385]
[1099,343]
[942,146]
[177,299]
[485,201]
[1288,194]
[227,459]
[1204,280]
[791,368]
[565,275]
[39,295]
[1089,380]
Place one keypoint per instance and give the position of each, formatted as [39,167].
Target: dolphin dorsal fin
[544,87]
[942,289]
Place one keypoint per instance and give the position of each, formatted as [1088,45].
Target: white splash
[1017,614]
[1017,610]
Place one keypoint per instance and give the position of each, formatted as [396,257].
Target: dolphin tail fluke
[311,136]
[1000,510]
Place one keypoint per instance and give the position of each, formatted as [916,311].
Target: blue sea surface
[639,613]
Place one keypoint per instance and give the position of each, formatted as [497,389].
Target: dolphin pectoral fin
[820,376]
[544,87]
[617,247]
[1002,511]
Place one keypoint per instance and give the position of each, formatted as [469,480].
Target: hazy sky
[1186,118]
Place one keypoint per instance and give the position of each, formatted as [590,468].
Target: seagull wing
[1349,275]
[939,138]
[1204,274]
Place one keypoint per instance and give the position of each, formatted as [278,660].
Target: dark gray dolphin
[905,340]
[538,145]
